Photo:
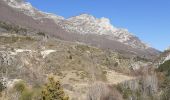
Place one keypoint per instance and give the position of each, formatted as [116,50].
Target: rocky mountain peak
[88,24]
[83,17]
[15,1]
[29,10]
[86,20]
[20,4]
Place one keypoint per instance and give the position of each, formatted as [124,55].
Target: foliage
[166,94]
[24,92]
[53,91]
[26,95]
[165,67]
[137,58]
[126,92]
[2,87]
[41,34]
[82,47]
[165,85]
[12,28]
[20,86]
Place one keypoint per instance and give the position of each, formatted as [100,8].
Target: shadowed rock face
[47,25]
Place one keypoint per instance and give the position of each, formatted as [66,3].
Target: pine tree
[53,91]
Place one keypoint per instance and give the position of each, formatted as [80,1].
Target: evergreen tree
[53,91]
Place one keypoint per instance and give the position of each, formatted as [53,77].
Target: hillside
[84,28]
[33,57]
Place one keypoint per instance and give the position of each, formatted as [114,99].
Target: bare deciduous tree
[102,91]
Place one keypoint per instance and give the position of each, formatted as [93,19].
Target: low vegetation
[164,76]
[13,28]
[2,88]
[165,67]
[52,90]
[74,63]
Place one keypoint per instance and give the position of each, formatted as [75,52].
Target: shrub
[12,28]
[165,67]
[53,91]
[126,92]
[137,58]
[41,34]
[26,95]
[2,87]
[20,86]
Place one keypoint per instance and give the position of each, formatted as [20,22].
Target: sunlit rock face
[88,24]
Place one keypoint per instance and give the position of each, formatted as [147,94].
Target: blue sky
[147,19]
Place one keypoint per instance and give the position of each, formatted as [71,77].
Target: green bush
[165,67]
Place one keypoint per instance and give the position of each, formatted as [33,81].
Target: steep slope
[84,28]
[33,58]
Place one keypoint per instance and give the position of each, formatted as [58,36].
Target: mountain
[87,24]
[83,28]
[90,57]
[83,24]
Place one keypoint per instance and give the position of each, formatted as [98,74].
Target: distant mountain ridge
[87,24]
[83,28]
[83,24]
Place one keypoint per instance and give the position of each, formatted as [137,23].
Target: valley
[44,56]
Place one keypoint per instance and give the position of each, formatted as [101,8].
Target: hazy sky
[147,19]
